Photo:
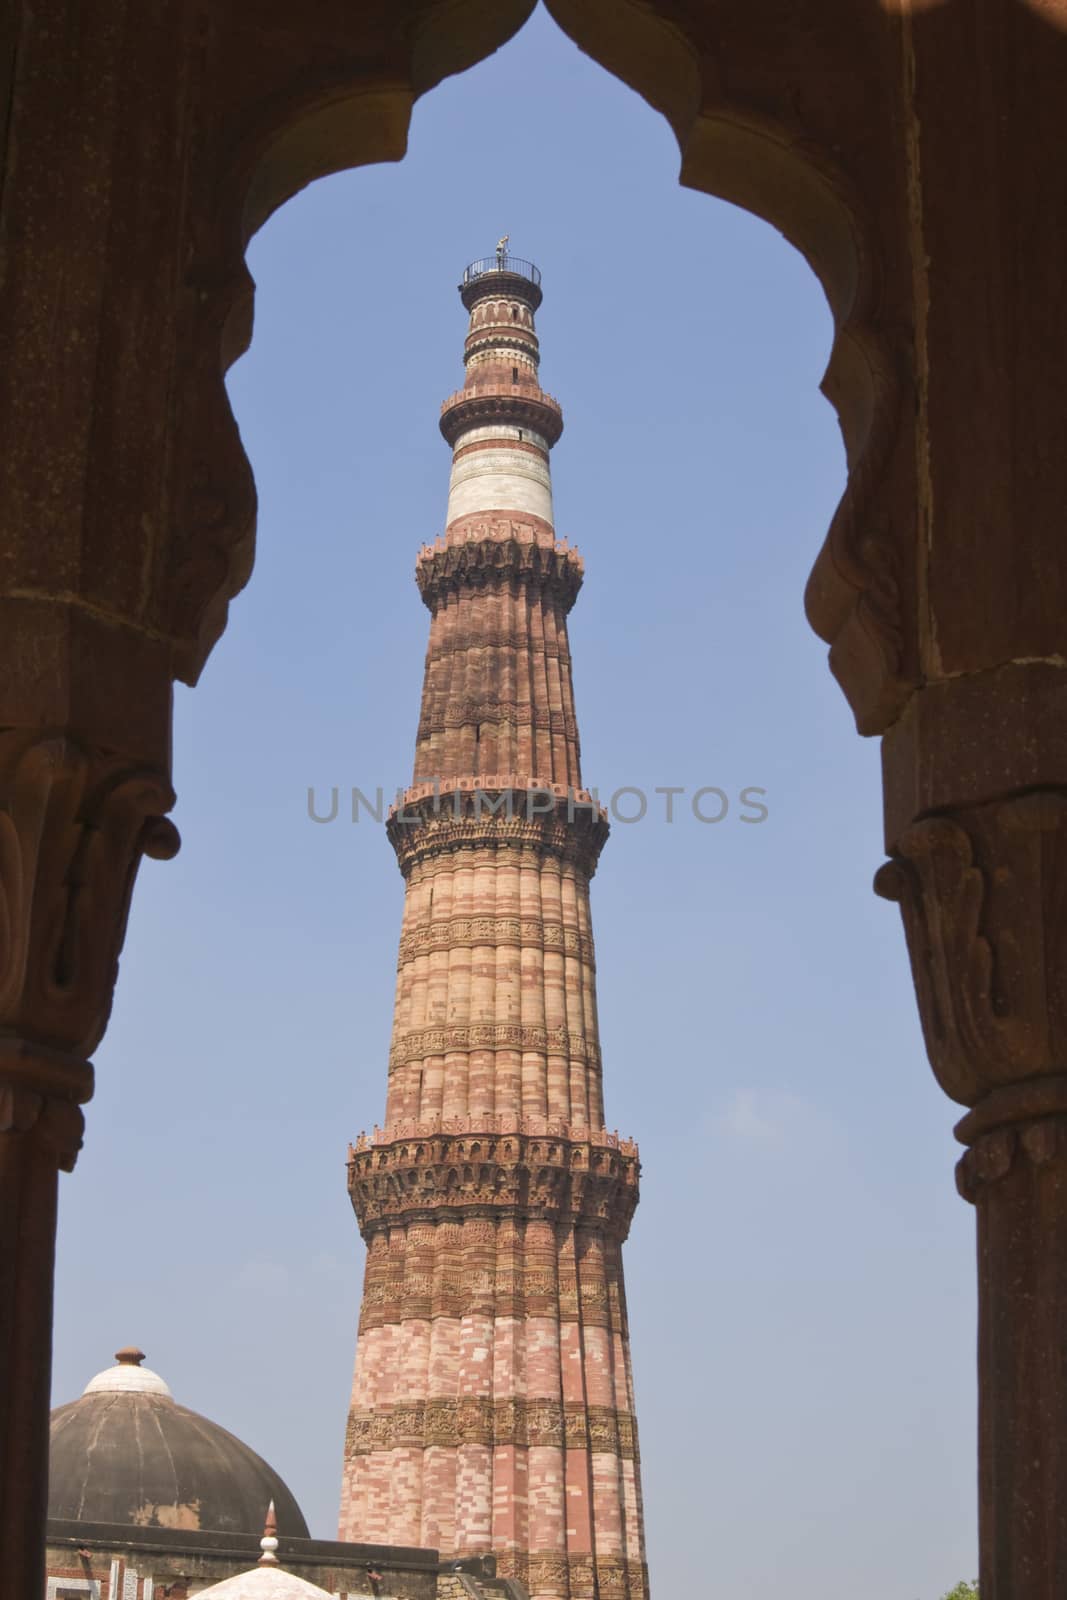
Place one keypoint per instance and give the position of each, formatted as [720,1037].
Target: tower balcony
[531,1169]
[502,262]
[525,406]
[501,274]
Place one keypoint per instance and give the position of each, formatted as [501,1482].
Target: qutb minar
[492,1405]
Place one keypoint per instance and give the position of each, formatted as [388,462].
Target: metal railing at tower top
[502,262]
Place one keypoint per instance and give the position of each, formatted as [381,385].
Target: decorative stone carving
[421,1042]
[498,638]
[531,408]
[467,932]
[468,567]
[579,1577]
[514,1175]
[477,1125]
[611,1581]
[73,827]
[983,895]
[548,1574]
[993,1155]
[42,1091]
[853,593]
[521,713]
[496,816]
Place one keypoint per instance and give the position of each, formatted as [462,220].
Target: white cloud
[765,1116]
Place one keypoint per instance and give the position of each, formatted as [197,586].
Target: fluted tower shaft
[492,1406]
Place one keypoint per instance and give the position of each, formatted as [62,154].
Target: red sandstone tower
[492,1406]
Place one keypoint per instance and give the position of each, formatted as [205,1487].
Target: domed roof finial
[269,1542]
[262,1582]
[128,1376]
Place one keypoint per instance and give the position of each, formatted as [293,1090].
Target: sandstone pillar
[983,891]
[73,827]
[140,146]
[916,182]
[975,764]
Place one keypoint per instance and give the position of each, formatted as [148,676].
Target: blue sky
[800,1269]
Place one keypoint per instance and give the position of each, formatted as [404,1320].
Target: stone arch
[306,124]
[167,134]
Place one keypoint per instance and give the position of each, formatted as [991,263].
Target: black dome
[126,1452]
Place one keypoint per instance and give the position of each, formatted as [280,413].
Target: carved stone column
[913,181]
[73,827]
[140,146]
[983,893]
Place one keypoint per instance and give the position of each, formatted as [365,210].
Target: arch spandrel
[277,99]
[773,109]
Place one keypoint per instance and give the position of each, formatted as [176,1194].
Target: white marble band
[500,479]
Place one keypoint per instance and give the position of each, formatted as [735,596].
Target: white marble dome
[267,1581]
[263,1583]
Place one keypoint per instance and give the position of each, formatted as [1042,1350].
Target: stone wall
[92,1561]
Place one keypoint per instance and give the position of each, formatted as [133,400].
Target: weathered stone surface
[983,892]
[507,1174]
[178,1563]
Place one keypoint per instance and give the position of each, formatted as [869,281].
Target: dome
[127,1452]
[263,1583]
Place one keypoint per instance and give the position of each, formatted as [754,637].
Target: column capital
[43,1090]
[983,892]
[74,824]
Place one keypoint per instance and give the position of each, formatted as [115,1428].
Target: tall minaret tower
[492,1407]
